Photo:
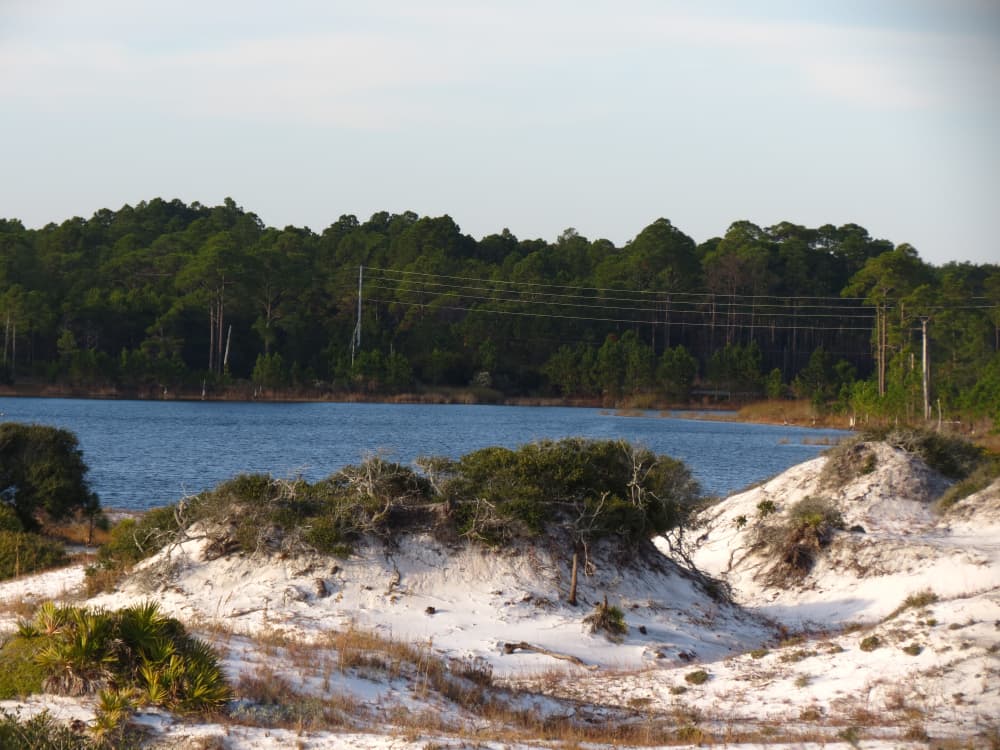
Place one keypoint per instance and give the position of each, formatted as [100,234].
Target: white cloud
[362,68]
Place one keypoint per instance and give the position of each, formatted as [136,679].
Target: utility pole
[356,338]
[927,371]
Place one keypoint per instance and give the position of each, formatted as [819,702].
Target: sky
[538,116]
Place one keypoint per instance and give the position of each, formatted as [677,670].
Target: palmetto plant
[79,657]
[114,708]
[134,653]
[49,619]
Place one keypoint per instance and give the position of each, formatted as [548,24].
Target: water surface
[147,453]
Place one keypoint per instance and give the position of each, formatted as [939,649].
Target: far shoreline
[790,412]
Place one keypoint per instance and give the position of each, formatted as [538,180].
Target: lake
[143,454]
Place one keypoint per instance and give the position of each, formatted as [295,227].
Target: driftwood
[510,648]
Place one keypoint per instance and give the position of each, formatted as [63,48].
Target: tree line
[185,296]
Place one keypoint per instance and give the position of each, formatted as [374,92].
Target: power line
[519,313]
[644,292]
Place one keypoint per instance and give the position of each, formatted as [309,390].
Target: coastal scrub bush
[795,543]
[21,676]
[608,619]
[847,461]
[9,520]
[979,479]
[42,472]
[22,553]
[698,677]
[766,508]
[953,456]
[129,541]
[584,489]
[870,643]
[40,732]
[592,488]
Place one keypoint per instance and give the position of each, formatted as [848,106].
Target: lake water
[147,453]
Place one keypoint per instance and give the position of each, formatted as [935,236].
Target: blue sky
[535,116]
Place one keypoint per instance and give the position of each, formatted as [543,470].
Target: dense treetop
[169,295]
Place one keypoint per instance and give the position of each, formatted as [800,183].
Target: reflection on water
[147,453]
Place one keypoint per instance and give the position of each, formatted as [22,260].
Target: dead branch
[510,648]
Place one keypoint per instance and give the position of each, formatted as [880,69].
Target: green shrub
[40,732]
[870,643]
[132,540]
[698,677]
[9,520]
[609,619]
[42,471]
[593,488]
[583,489]
[21,675]
[913,649]
[979,479]
[796,542]
[953,456]
[917,600]
[22,553]
[765,508]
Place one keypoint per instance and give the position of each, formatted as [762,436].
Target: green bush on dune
[587,489]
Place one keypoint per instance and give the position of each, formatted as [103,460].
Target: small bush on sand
[846,462]
[765,508]
[608,619]
[870,643]
[698,677]
[795,542]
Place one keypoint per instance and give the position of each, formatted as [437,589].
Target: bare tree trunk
[572,582]
[211,337]
[218,339]
[225,357]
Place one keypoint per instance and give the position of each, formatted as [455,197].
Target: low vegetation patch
[917,600]
[698,677]
[609,620]
[136,651]
[870,643]
[22,553]
[579,490]
[951,455]
[979,479]
[795,542]
[40,732]
[846,462]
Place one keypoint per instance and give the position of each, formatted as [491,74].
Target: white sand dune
[783,658]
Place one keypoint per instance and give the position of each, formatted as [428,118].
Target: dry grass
[780,411]
[78,532]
